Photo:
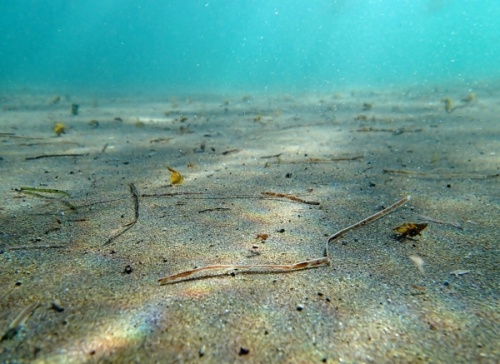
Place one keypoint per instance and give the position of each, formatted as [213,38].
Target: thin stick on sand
[369,219]
[20,320]
[264,268]
[272,268]
[117,232]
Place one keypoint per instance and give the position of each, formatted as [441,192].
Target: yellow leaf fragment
[409,229]
[176,178]
[59,129]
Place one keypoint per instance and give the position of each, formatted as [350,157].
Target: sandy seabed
[79,270]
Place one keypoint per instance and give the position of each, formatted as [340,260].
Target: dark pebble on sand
[244,351]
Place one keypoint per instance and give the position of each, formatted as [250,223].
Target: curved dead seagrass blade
[254,268]
[273,268]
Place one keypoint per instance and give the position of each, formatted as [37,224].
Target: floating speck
[419,263]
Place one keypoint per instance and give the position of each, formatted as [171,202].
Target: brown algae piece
[262,237]
[176,178]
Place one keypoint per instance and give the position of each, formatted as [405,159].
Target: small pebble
[300,307]
[56,306]
[128,269]
[244,351]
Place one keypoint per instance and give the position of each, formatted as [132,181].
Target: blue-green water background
[242,45]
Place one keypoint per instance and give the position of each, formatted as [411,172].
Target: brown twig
[338,159]
[39,246]
[436,221]
[215,209]
[231,151]
[267,268]
[171,194]
[55,156]
[135,199]
[369,219]
[271,156]
[19,321]
[326,160]
[290,197]
[438,174]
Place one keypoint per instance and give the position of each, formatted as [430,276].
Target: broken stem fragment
[266,268]
[369,219]
[57,156]
[135,199]
[38,192]
[39,246]
[290,197]
[43,190]
[19,321]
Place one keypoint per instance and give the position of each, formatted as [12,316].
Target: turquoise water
[236,44]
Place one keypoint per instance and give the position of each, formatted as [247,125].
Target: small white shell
[459,272]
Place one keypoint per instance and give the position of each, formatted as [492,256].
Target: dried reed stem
[19,321]
[268,268]
[369,219]
[117,232]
